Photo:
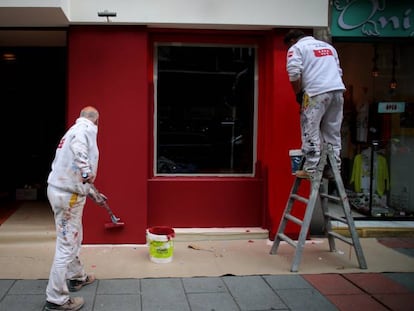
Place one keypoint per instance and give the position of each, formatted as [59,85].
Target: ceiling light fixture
[9,56]
[375,71]
[393,82]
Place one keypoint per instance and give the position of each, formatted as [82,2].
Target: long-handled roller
[102,201]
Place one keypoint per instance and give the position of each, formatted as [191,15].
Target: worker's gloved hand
[299,97]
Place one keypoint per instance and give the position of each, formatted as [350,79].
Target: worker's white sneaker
[73,304]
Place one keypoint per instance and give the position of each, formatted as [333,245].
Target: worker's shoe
[73,304]
[75,285]
[303,174]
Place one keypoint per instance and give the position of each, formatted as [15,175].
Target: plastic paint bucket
[161,244]
[295,159]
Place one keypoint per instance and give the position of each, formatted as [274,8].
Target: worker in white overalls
[316,78]
[73,169]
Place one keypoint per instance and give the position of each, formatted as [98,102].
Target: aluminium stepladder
[319,191]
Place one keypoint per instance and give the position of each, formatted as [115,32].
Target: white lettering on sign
[370,23]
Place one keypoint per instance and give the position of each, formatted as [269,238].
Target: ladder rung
[294,219]
[285,238]
[337,218]
[299,198]
[331,197]
[341,237]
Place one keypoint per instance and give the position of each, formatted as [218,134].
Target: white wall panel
[231,14]
[205,13]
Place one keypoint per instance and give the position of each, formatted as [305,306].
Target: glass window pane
[205,109]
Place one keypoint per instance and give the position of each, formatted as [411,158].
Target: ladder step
[341,237]
[285,238]
[294,219]
[331,197]
[299,198]
[337,218]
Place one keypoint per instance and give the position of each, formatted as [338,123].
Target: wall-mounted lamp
[107,14]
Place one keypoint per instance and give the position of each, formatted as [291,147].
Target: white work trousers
[68,209]
[321,119]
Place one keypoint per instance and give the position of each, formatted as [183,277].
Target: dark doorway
[33,97]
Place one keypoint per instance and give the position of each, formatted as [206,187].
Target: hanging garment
[361,173]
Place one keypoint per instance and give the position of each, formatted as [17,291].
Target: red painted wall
[280,132]
[107,68]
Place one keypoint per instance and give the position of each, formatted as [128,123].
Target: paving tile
[212,301]
[375,283]
[4,287]
[163,294]
[356,302]
[332,284]
[117,302]
[22,302]
[204,285]
[305,299]
[253,293]
[286,281]
[397,242]
[406,251]
[397,302]
[29,287]
[118,286]
[406,279]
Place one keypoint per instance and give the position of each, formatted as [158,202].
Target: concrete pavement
[355,291]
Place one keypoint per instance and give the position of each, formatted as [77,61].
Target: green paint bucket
[161,244]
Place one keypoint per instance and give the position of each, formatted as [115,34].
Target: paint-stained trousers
[68,209]
[321,119]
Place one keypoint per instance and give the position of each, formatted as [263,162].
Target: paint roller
[102,201]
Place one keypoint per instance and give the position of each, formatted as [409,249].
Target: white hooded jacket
[317,64]
[77,153]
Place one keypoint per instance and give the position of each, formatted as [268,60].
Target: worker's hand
[299,97]
[88,178]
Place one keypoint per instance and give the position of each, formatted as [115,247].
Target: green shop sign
[372,18]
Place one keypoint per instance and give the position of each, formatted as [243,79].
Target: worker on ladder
[316,78]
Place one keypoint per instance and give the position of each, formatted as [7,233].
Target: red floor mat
[6,212]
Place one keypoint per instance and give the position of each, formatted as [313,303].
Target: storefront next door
[204,170]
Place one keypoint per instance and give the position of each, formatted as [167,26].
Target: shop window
[205,107]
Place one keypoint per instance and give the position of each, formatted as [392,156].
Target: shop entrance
[33,91]
[378,127]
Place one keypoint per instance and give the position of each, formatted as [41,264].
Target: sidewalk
[222,275]
[356,291]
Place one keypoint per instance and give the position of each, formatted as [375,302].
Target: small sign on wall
[391,107]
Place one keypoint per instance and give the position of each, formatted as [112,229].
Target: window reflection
[205,104]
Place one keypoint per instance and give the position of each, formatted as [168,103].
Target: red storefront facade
[119,82]
[112,65]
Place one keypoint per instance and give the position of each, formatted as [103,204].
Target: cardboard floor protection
[27,242]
